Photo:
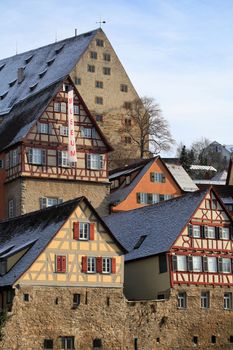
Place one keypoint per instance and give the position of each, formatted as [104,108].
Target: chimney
[75,32]
[20,75]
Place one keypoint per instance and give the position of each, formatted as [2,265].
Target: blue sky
[178,51]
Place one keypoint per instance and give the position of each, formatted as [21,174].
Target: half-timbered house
[36,171]
[59,267]
[147,181]
[175,244]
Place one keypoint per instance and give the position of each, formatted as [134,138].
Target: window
[106,71]
[1,164]
[76,300]
[91,68]
[135,343]
[99,118]
[127,105]
[213,339]
[224,233]
[48,344]
[231,339]
[124,88]
[95,161]
[226,265]
[162,263]
[157,177]
[11,208]
[60,263]
[93,55]
[128,122]
[13,158]
[25,297]
[76,109]
[91,265]
[64,130]
[212,264]
[86,132]
[155,198]
[97,343]
[142,198]
[63,160]
[43,128]
[106,265]
[168,196]
[36,156]
[128,140]
[9,296]
[181,263]
[57,107]
[63,107]
[196,264]
[77,81]
[67,343]
[196,231]
[209,232]
[227,301]
[84,230]
[46,202]
[99,84]
[181,300]
[99,100]
[99,42]
[205,300]
[195,340]
[107,57]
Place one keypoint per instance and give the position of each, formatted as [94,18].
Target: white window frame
[155,198]
[197,263]
[95,161]
[76,109]
[212,264]
[86,132]
[182,263]
[205,300]
[106,265]
[182,300]
[226,265]
[224,233]
[91,264]
[57,107]
[64,131]
[84,231]
[36,156]
[227,301]
[64,161]
[43,128]
[196,231]
[142,197]
[63,107]
[45,202]
[210,232]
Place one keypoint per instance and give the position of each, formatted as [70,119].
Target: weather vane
[101,22]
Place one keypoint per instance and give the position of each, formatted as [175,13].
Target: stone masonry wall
[149,325]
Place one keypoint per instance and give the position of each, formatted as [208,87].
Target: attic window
[41,74]
[28,59]
[2,66]
[140,241]
[58,50]
[49,62]
[12,83]
[32,87]
[3,95]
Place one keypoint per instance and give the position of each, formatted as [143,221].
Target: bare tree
[153,134]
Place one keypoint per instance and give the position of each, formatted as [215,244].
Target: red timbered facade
[203,252]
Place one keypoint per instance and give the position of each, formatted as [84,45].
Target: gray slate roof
[43,66]
[162,223]
[35,229]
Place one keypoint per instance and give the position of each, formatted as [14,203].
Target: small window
[91,265]
[36,156]
[205,300]
[99,42]
[99,84]
[91,68]
[162,263]
[86,132]
[97,343]
[142,198]
[196,264]
[93,55]
[26,297]
[99,118]
[1,164]
[128,122]
[127,105]
[196,231]
[212,264]
[66,87]
[135,343]
[43,128]
[63,160]
[48,344]
[99,100]
[63,107]
[128,140]
[57,107]
[157,177]
[195,340]
[106,265]
[231,339]
[11,208]
[76,109]
[182,304]
[224,233]
[84,230]
[64,130]
[213,339]
[124,88]
[227,301]
[107,57]
[106,71]
[76,299]
[140,241]
[67,343]
[95,161]
[181,263]
[77,81]
[46,202]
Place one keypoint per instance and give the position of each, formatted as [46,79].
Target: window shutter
[43,202]
[99,265]
[218,232]
[138,198]
[161,197]
[174,262]
[152,177]
[43,156]
[84,263]
[63,264]
[149,198]
[101,161]
[163,178]
[113,267]
[59,158]
[190,263]
[88,161]
[76,230]
[58,263]
[30,155]
[92,232]
[205,264]
[190,230]
[231,232]
[219,264]
[38,127]
[205,231]
[50,127]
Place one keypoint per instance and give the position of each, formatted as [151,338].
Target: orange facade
[145,185]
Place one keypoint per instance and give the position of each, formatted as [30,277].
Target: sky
[179,52]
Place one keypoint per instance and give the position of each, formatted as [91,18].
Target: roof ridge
[137,163]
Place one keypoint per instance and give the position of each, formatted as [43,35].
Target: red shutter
[84,263]
[76,230]
[99,265]
[113,265]
[92,232]
[63,264]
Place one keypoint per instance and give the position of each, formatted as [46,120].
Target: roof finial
[75,32]
[101,22]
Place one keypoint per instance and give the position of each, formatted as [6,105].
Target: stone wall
[13,191]
[120,324]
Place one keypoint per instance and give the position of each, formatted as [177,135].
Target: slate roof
[162,223]
[225,192]
[42,66]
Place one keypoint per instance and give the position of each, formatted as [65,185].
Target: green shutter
[220,264]
[190,230]
[174,262]
[163,178]
[138,197]
[190,263]
[205,264]
[152,177]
